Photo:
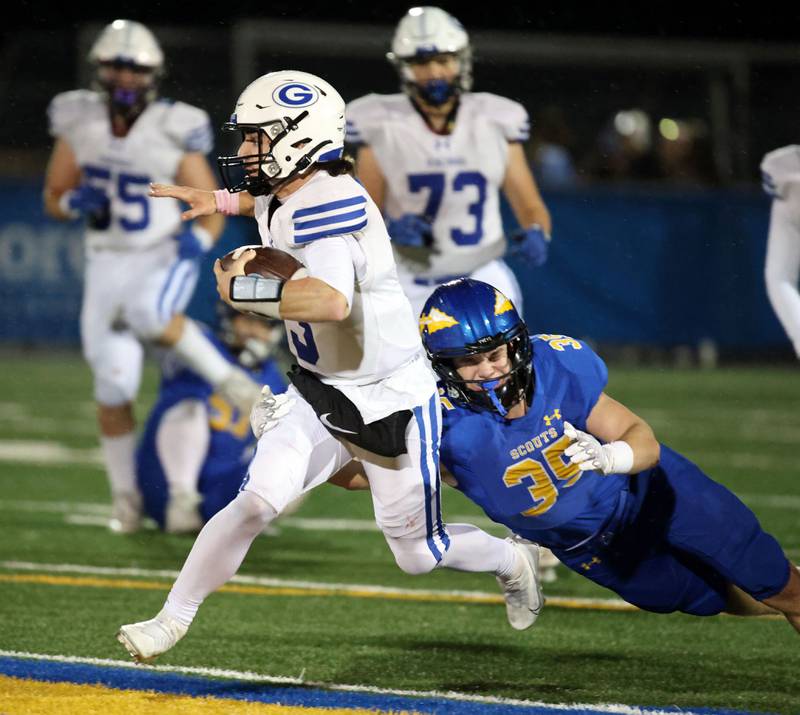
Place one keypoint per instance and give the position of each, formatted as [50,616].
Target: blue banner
[644,267]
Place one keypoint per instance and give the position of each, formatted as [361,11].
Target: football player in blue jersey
[530,436]
[196,445]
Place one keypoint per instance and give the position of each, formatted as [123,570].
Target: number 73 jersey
[452,180]
[123,167]
[516,470]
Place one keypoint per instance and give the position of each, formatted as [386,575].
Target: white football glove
[269,410]
[587,453]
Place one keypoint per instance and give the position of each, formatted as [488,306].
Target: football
[268,262]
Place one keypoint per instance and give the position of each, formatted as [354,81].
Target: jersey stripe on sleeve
[330,219]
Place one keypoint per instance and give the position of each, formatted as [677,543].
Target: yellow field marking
[32,697]
[94,582]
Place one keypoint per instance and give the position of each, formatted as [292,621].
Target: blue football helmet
[466,317]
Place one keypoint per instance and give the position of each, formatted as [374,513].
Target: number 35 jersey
[123,167]
[516,469]
[452,180]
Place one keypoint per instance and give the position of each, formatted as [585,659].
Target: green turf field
[741,425]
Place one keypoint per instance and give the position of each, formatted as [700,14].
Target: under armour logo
[555,416]
[594,561]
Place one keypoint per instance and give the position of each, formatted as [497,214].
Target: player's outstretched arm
[201,202]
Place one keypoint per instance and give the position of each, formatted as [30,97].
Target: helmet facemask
[272,169]
[125,101]
[439,91]
[497,394]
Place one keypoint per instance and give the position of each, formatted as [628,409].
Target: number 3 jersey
[516,469]
[374,356]
[452,180]
[123,167]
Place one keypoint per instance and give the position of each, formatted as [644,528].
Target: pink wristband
[227,203]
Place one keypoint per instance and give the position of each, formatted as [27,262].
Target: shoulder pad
[69,109]
[510,116]
[569,355]
[188,126]
[364,115]
[338,209]
[779,169]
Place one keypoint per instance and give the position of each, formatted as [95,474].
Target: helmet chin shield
[301,115]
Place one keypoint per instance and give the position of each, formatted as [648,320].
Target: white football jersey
[779,169]
[123,167]
[380,335]
[453,180]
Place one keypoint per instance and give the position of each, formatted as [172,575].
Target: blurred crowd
[631,146]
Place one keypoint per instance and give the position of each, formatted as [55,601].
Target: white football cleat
[126,513]
[182,515]
[240,390]
[148,639]
[522,591]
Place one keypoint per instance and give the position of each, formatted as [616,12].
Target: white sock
[181,443]
[217,554]
[118,454]
[472,549]
[198,353]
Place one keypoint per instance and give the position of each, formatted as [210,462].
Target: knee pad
[251,512]
[117,368]
[414,556]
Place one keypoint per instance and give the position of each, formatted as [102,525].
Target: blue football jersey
[516,469]
[231,444]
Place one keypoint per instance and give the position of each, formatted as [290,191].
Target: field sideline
[320,610]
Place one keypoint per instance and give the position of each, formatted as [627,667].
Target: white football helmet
[301,114]
[422,33]
[125,44]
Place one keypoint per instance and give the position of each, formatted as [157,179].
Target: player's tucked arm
[194,171]
[610,421]
[522,193]
[63,174]
[370,174]
[308,299]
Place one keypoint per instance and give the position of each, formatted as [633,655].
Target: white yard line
[47,452]
[250,676]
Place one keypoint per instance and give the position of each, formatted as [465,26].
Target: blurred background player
[435,157]
[141,261]
[530,436]
[780,171]
[195,447]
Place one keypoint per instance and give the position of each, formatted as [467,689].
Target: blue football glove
[193,241]
[410,230]
[531,244]
[84,200]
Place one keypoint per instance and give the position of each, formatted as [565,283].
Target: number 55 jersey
[124,167]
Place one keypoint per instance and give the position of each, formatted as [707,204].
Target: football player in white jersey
[780,171]
[435,157]
[362,387]
[141,260]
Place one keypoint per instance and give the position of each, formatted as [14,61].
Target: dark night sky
[734,21]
